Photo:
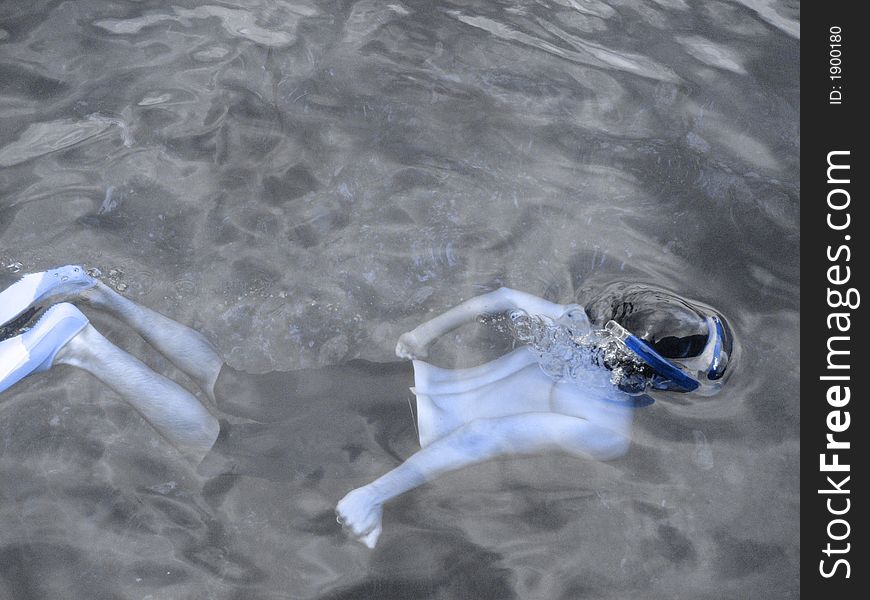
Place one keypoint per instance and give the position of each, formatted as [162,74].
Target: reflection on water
[304,181]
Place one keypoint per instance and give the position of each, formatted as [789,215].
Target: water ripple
[304,181]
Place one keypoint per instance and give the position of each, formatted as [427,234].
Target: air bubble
[568,350]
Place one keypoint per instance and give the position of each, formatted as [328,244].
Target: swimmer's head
[675,344]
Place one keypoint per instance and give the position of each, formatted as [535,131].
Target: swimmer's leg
[175,413]
[414,344]
[185,348]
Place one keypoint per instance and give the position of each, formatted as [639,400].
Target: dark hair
[675,327]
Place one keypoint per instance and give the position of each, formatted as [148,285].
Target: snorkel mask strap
[677,379]
[710,364]
[717,366]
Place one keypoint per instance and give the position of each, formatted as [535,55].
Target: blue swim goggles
[687,374]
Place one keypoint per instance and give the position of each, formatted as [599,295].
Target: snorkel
[700,373]
[665,343]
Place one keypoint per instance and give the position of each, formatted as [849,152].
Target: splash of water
[570,351]
[114,279]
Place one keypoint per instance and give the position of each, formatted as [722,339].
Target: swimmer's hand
[360,513]
[410,347]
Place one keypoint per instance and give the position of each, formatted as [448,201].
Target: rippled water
[304,181]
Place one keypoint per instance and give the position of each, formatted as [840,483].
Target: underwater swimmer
[511,406]
[508,406]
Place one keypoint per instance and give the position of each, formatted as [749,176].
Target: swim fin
[34,350]
[40,287]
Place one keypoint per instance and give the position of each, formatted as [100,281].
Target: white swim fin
[39,287]
[34,350]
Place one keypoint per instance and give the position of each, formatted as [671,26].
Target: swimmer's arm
[479,441]
[414,343]
[484,439]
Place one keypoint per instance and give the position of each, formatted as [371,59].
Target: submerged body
[342,425]
[296,424]
[505,407]
[513,384]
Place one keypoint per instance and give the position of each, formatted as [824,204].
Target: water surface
[304,181]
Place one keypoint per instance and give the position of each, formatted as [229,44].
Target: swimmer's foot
[34,289]
[103,297]
[34,350]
